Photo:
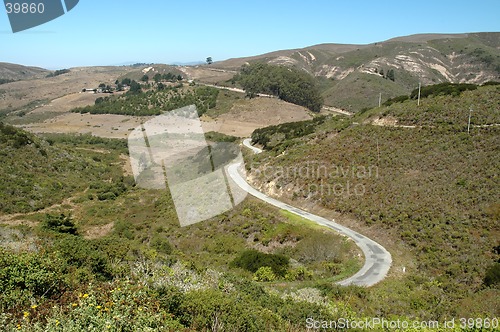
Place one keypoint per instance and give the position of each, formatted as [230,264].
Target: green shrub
[398,99]
[252,260]
[300,273]
[161,244]
[123,229]
[442,89]
[58,72]
[264,273]
[27,275]
[492,276]
[219,137]
[5,80]
[285,131]
[84,256]
[60,223]
[212,310]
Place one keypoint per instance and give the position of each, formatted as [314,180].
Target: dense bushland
[434,187]
[276,136]
[449,111]
[106,254]
[150,273]
[441,89]
[289,84]
[5,80]
[37,175]
[253,260]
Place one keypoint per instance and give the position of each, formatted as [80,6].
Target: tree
[179,77]
[60,223]
[289,84]
[126,81]
[209,60]
[145,78]
[135,87]
[168,76]
[157,78]
[390,74]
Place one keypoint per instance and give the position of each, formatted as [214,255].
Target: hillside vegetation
[351,77]
[433,186]
[86,248]
[36,175]
[288,84]
[154,102]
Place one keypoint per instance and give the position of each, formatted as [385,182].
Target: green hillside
[82,246]
[36,175]
[432,187]
[353,76]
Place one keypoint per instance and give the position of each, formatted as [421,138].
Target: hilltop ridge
[353,76]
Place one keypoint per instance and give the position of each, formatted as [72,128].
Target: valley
[371,197]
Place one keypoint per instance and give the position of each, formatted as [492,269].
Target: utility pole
[380,99]
[378,154]
[468,125]
[419,86]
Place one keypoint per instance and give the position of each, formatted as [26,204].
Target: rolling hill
[353,76]
[14,72]
[415,174]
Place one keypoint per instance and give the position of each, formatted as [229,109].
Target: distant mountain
[10,71]
[353,76]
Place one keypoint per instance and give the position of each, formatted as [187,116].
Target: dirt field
[206,74]
[245,116]
[17,94]
[56,96]
[249,114]
[104,125]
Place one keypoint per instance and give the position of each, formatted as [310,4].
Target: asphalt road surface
[377,259]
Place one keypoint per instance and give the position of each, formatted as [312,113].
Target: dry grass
[246,115]
[62,93]
[18,94]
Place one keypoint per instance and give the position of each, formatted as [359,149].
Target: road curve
[377,259]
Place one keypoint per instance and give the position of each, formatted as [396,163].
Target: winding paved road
[377,259]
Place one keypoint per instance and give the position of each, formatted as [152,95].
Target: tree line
[289,84]
[58,72]
[5,80]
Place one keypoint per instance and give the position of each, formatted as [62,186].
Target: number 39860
[24,8]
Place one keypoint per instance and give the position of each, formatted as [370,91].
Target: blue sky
[109,32]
